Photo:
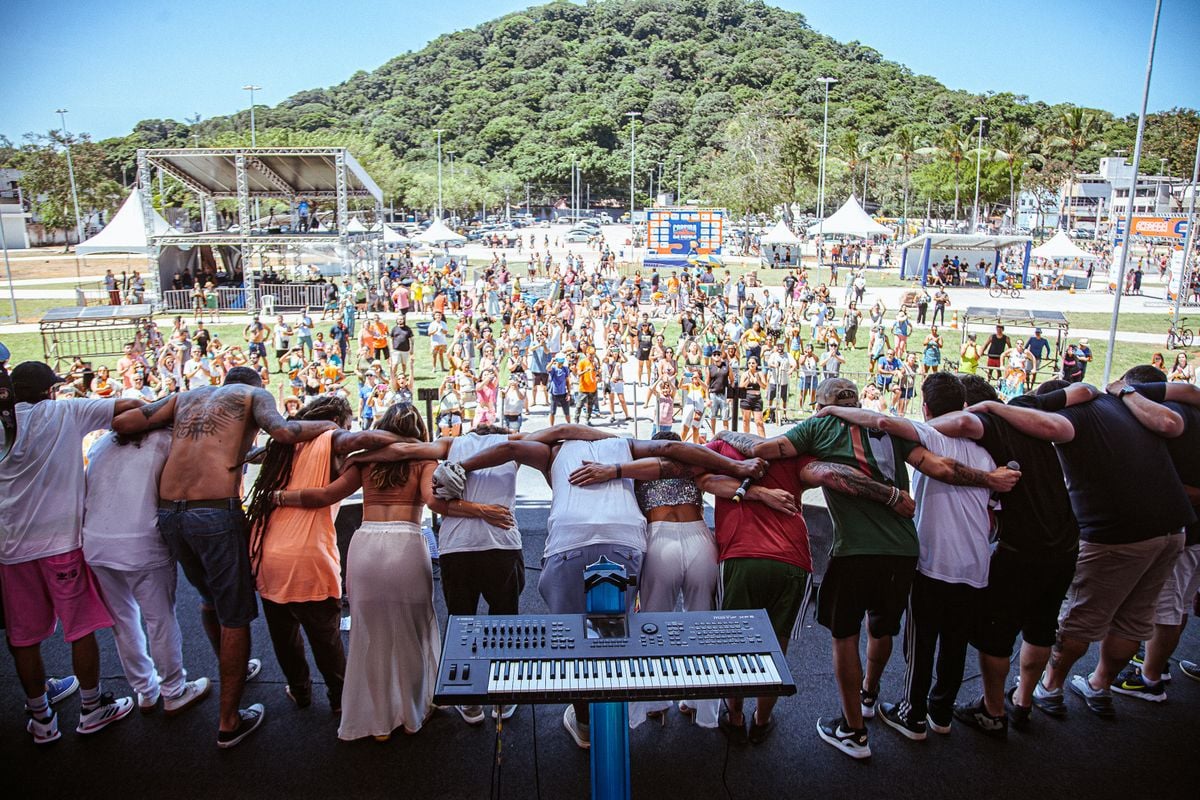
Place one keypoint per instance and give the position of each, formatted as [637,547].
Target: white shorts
[691,415]
[1174,601]
[397,357]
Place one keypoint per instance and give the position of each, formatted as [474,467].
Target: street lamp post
[1184,273]
[633,115]
[62,114]
[1162,169]
[439,132]
[1128,227]
[252,88]
[821,180]
[679,180]
[978,165]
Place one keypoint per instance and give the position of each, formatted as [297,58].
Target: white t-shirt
[603,513]
[952,521]
[41,499]
[496,485]
[120,511]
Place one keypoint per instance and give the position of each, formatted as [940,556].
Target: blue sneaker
[61,688]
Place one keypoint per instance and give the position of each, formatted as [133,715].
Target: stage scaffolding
[246,174]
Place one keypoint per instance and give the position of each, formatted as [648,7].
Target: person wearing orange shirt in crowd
[379,339]
[585,368]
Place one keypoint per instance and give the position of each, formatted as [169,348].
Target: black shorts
[1023,595]
[541,379]
[875,586]
[751,403]
[643,354]
[562,401]
[212,546]
[280,353]
[777,390]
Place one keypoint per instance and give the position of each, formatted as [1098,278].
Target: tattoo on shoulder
[206,417]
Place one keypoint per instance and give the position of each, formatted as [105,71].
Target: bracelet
[895,498]
[618,472]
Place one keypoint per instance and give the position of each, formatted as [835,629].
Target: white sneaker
[193,692]
[504,712]
[579,732]
[472,715]
[44,731]
[110,710]
[148,702]
[253,667]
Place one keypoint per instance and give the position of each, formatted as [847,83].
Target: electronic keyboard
[610,658]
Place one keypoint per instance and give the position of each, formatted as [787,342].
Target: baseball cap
[33,379]
[837,392]
[1037,330]
[4,354]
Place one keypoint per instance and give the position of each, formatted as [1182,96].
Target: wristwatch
[1126,390]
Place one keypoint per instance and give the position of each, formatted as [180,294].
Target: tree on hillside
[1016,146]
[953,147]
[903,148]
[1076,129]
[46,181]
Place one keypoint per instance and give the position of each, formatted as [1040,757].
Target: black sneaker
[851,742]
[976,716]
[915,730]
[300,695]
[250,719]
[1133,683]
[1018,715]
[1191,669]
[868,700]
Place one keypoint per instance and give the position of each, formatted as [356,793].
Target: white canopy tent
[440,233]
[1058,247]
[390,236]
[126,231]
[781,234]
[849,220]
[355,226]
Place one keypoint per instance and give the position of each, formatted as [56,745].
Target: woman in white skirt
[391,668]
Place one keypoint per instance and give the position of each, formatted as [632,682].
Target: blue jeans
[212,545]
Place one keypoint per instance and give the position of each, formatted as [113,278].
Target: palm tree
[1077,129]
[1016,146]
[952,145]
[904,147]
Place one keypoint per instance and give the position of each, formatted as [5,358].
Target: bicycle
[1178,335]
[1002,289]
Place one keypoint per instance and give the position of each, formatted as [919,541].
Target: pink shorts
[37,594]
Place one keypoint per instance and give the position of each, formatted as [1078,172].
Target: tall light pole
[978,164]
[633,115]
[821,180]
[62,114]
[1128,227]
[1162,169]
[439,132]
[679,180]
[252,88]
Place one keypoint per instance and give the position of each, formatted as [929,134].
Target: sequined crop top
[666,492]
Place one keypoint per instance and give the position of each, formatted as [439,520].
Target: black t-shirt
[645,335]
[997,345]
[718,378]
[401,338]
[1122,485]
[1185,454]
[789,281]
[1035,517]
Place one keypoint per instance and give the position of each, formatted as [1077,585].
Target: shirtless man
[202,520]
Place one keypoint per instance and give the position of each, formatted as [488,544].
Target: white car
[579,235]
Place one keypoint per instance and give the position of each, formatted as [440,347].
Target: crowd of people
[1016,524]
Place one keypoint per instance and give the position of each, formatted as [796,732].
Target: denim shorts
[212,545]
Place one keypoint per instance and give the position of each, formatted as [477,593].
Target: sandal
[759,733]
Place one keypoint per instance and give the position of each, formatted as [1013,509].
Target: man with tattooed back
[200,513]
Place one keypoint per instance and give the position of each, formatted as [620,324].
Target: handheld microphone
[741,490]
[1013,465]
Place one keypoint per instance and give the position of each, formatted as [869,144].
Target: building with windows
[1092,200]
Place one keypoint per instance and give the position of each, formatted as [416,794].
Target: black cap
[32,379]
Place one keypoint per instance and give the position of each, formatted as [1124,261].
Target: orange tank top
[300,559]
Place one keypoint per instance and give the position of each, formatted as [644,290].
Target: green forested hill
[726,89]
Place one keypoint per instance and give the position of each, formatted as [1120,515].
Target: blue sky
[112,64]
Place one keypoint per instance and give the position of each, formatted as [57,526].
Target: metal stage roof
[279,172]
[235,239]
[1015,316]
[97,314]
[964,241]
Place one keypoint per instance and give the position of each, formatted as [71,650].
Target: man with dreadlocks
[294,550]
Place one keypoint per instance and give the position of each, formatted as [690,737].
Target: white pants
[681,557]
[134,595]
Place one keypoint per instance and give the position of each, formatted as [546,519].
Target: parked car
[579,235]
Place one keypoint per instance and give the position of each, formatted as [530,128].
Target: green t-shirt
[861,527]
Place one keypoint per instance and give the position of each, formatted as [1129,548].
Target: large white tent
[440,233]
[390,236]
[849,220]
[781,234]
[1058,247]
[126,231]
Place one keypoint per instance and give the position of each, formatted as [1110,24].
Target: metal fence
[267,297]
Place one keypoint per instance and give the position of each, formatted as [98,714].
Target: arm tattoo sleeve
[847,480]
[744,443]
[150,409]
[962,475]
